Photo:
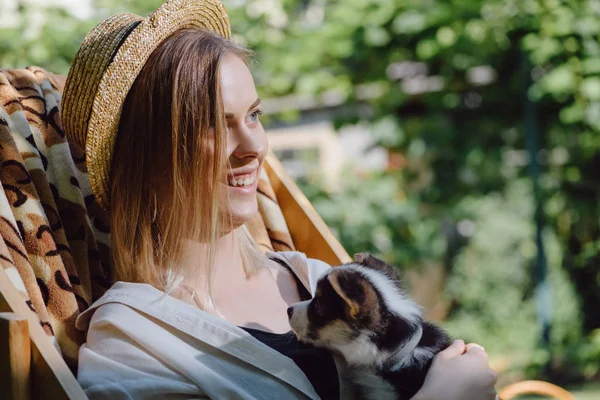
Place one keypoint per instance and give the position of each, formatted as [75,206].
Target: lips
[242,180]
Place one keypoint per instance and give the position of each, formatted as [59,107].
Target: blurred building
[311,146]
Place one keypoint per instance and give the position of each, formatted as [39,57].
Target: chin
[243,213]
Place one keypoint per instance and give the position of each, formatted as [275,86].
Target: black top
[316,363]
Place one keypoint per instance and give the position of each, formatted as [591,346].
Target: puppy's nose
[290,312]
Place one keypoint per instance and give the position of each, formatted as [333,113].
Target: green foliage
[491,284]
[588,353]
[374,214]
[492,278]
[50,42]
[447,83]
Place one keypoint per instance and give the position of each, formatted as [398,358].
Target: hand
[459,373]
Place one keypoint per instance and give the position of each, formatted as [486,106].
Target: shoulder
[123,355]
[114,305]
[117,319]
[122,358]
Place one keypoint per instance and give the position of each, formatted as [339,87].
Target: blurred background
[457,139]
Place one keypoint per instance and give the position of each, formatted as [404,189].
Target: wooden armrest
[15,351]
[535,387]
[49,376]
[309,232]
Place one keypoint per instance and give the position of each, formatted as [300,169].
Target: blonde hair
[168,166]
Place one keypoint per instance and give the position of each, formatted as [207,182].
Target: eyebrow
[256,103]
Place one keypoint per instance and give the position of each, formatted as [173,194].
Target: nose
[290,312]
[247,144]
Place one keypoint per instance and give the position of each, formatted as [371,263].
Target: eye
[253,117]
[317,306]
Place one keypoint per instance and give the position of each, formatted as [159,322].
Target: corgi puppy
[360,311]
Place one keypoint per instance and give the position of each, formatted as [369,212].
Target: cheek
[264,141]
[336,333]
[230,142]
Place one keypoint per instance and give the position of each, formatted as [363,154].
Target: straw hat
[106,66]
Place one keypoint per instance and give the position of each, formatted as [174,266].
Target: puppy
[361,311]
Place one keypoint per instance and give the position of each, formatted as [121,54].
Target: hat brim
[122,72]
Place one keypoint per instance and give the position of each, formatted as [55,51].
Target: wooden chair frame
[31,367]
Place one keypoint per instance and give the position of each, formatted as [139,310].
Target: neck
[227,260]
[404,353]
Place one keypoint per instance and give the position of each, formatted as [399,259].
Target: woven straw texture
[109,81]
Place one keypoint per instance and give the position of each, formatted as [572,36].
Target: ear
[341,288]
[368,260]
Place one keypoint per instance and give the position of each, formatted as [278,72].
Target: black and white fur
[360,311]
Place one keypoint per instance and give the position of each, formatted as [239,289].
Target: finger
[473,345]
[493,377]
[454,350]
[477,351]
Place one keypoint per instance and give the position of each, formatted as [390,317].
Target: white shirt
[144,344]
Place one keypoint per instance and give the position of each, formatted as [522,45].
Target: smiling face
[246,139]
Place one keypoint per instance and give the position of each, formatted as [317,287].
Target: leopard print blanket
[54,238]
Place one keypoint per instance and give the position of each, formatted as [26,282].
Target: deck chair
[54,241]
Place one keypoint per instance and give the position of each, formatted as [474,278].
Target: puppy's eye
[318,308]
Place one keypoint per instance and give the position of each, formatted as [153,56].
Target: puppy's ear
[356,292]
[346,290]
[370,261]
[367,259]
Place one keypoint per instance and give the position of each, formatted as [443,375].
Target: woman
[169,117]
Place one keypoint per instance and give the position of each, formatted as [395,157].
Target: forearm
[421,395]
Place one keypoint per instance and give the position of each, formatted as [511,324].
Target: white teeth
[242,182]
